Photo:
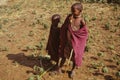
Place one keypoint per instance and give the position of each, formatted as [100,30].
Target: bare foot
[59,70]
[71,75]
[77,67]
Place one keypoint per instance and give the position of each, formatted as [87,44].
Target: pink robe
[79,38]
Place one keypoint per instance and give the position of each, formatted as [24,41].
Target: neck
[78,16]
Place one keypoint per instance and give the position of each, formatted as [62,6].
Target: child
[73,35]
[53,41]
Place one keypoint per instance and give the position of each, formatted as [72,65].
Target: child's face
[75,11]
[56,20]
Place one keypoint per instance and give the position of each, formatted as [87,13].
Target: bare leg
[73,67]
[61,64]
[62,61]
[71,74]
[58,66]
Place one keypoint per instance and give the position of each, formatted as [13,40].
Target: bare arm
[83,22]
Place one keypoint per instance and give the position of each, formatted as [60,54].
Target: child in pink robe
[73,35]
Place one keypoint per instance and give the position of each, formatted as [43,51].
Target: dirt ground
[24,30]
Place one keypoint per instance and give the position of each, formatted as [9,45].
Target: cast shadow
[29,61]
[108,77]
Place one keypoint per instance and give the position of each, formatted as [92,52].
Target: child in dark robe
[53,41]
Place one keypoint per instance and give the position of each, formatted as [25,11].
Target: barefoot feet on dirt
[71,74]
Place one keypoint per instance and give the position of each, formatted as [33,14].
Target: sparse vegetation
[100,54]
[118,74]
[39,46]
[86,17]
[3,48]
[105,70]
[87,48]
[118,62]
[0,26]
[31,33]
[24,28]
[95,65]
[107,26]
[111,47]
[38,70]
[94,18]
[34,77]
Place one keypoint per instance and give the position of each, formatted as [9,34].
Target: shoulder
[69,16]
